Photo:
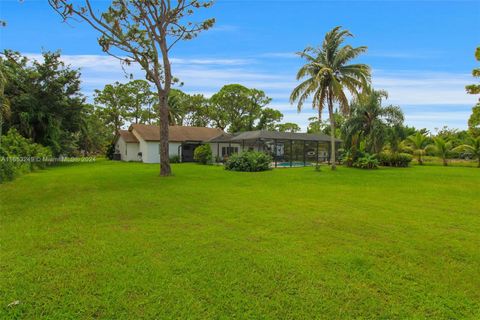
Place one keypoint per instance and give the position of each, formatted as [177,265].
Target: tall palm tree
[417,143]
[473,147]
[327,74]
[442,148]
[370,119]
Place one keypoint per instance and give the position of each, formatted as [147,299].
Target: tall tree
[4,103]
[474,121]
[288,127]
[94,134]
[371,120]
[178,105]
[44,97]
[314,125]
[475,88]
[197,111]
[258,111]
[143,31]
[115,102]
[268,120]
[138,96]
[239,108]
[328,74]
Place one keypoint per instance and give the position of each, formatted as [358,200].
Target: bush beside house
[203,154]
[249,162]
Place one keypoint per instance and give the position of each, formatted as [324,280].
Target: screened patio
[286,149]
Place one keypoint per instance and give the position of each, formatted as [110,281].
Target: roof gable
[127,136]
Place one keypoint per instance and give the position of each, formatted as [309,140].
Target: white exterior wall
[128,150]
[152,151]
[132,151]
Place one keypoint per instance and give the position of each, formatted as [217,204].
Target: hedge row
[19,155]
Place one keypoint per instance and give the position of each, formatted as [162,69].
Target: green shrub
[368,161]
[249,161]
[7,168]
[20,155]
[110,151]
[174,159]
[391,159]
[203,154]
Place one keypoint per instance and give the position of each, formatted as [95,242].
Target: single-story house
[142,143]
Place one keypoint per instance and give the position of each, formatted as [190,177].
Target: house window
[227,151]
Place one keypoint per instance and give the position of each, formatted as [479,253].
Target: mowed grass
[112,240]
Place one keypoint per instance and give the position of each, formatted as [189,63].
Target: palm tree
[441,148]
[417,143]
[371,120]
[328,74]
[473,147]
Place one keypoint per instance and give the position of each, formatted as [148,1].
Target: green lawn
[112,240]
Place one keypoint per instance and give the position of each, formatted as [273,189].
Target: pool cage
[286,149]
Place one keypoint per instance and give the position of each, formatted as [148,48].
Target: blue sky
[421,52]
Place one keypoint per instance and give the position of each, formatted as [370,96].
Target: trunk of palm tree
[445,163]
[478,162]
[420,161]
[165,169]
[332,133]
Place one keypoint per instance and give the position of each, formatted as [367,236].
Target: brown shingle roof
[127,136]
[176,133]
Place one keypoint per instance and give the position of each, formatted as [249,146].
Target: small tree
[203,154]
[473,148]
[417,144]
[441,148]
[143,31]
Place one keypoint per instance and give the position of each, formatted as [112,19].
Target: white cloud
[207,75]
[424,87]
[286,55]
[415,54]
[211,61]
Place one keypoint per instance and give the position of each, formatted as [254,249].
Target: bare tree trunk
[165,169]
[445,163]
[332,133]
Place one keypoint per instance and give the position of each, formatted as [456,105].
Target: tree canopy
[44,99]
[238,108]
